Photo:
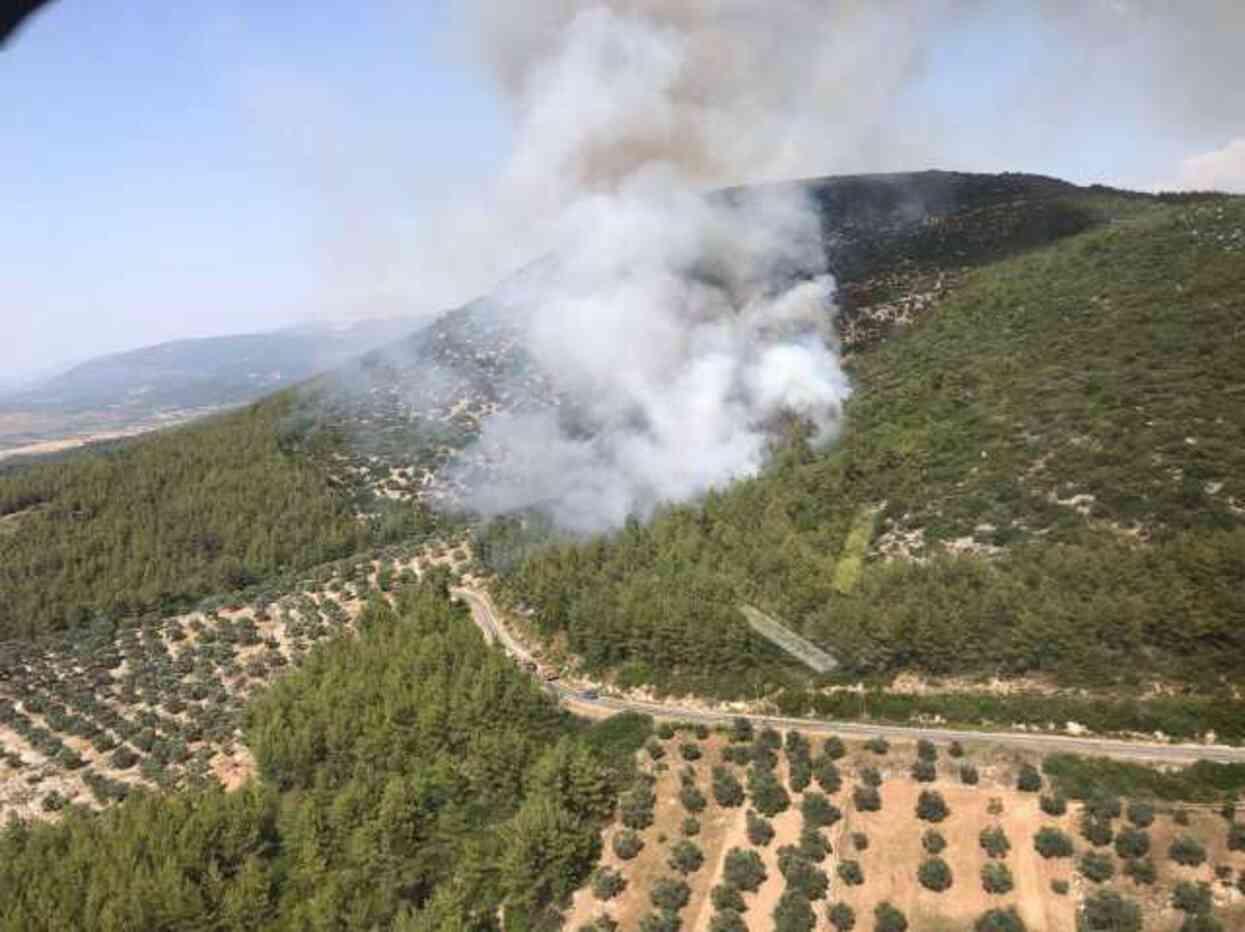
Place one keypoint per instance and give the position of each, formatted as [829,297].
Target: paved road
[483,613]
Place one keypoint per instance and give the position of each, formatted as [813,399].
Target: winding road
[486,619]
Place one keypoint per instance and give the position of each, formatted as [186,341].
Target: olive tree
[935,874]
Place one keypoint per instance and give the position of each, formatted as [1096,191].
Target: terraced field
[161,703]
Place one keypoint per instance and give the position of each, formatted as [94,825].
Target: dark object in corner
[12,13]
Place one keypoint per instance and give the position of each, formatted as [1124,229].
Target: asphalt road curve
[1045,743]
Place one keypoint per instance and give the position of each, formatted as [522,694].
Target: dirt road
[485,617]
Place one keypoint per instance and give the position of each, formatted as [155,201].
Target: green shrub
[969,775]
[1096,831]
[1188,851]
[636,808]
[860,841]
[1107,911]
[724,896]
[744,869]
[664,920]
[655,749]
[887,918]
[1059,887]
[627,844]
[935,874]
[1096,867]
[690,751]
[768,795]
[1000,920]
[607,883]
[1103,806]
[693,799]
[1140,871]
[933,841]
[793,913]
[996,877]
[955,749]
[1132,843]
[727,789]
[834,748]
[827,775]
[813,844]
[1054,805]
[867,799]
[931,807]
[741,730]
[925,750]
[665,730]
[842,917]
[760,830]
[994,841]
[123,758]
[1236,837]
[1192,898]
[878,745]
[870,776]
[1050,842]
[690,826]
[850,872]
[801,874]
[670,894]
[727,920]
[923,771]
[686,857]
[1140,814]
[1028,780]
[819,811]
[799,773]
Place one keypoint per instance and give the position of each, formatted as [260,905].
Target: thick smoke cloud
[679,326]
[679,329]
[683,326]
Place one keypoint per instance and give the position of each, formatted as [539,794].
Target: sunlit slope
[1059,446]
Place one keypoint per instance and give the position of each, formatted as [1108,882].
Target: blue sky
[165,169]
[172,170]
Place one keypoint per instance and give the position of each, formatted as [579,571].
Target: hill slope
[124,389]
[965,335]
[1056,450]
[895,243]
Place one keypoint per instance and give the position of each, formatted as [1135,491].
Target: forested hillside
[393,791]
[1058,453]
[155,524]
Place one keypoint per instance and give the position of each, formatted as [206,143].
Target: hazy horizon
[221,168]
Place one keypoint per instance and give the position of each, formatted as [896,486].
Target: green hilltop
[1057,448]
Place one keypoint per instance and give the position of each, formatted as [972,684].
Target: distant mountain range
[165,382]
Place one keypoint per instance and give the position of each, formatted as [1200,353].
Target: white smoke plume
[680,328]
[679,325]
